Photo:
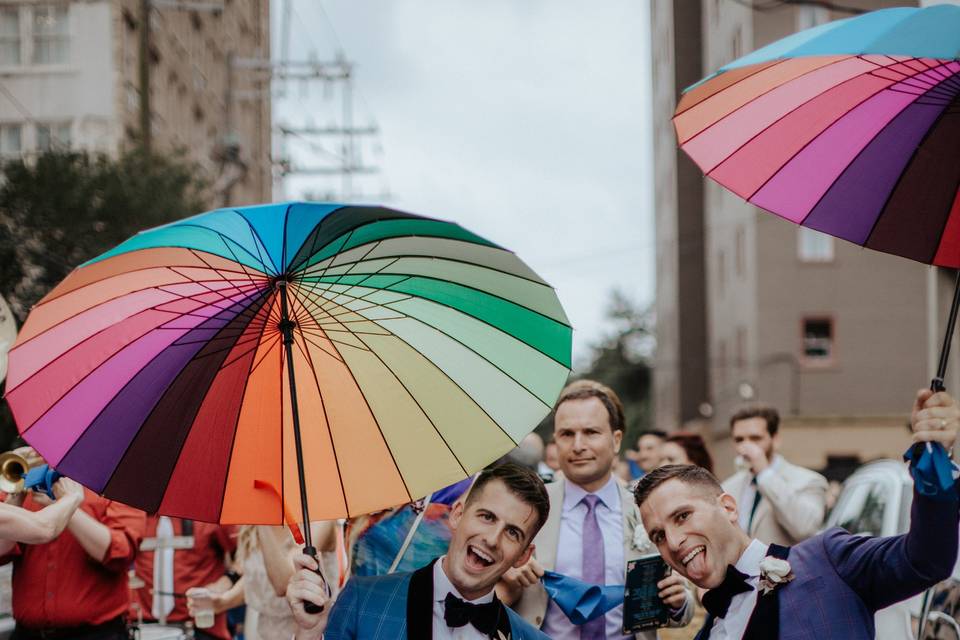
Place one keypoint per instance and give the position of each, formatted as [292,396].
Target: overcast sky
[525,121]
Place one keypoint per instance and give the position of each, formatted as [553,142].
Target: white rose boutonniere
[774,572]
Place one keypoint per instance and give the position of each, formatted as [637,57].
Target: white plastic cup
[203,617]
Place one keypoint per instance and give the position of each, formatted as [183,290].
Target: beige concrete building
[70,76]
[836,336]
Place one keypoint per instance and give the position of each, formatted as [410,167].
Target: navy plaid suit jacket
[842,579]
[375,608]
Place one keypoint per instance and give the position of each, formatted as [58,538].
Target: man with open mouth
[827,587]
[452,597]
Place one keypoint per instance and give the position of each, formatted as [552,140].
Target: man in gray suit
[594,527]
[780,502]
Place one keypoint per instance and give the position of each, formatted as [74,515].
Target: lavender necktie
[593,564]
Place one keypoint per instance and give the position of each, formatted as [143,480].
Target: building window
[9,36]
[813,246]
[51,37]
[53,135]
[10,141]
[818,337]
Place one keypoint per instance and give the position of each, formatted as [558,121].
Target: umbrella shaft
[937,383]
[286,328]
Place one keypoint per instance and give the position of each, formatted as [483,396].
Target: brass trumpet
[13,470]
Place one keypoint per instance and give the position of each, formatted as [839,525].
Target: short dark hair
[768,413]
[584,389]
[695,448]
[686,473]
[522,482]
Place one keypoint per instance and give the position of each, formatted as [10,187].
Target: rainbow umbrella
[348,358]
[851,128]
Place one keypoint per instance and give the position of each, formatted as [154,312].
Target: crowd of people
[579,506]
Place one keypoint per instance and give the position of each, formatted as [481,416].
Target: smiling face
[695,529]
[586,443]
[649,451]
[673,453]
[490,535]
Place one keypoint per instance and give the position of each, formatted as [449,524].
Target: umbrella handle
[311,607]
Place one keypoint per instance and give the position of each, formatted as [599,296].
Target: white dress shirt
[441,587]
[734,624]
[570,554]
[745,501]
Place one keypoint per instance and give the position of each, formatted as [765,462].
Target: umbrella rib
[811,141]
[372,248]
[335,356]
[346,240]
[401,256]
[283,248]
[260,276]
[479,355]
[906,168]
[769,90]
[326,419]
[315,329]
[313,298]
[315,232]
[201,283]
[389,306]
[762,66]
[153,410]
[121,273]
[259,242]
[272,342]
[94,335]
[379,428]
[226,242]
[100,413]
[236,424]
[417,402]
[110,299]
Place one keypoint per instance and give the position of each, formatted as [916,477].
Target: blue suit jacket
[378,608]
[842,579]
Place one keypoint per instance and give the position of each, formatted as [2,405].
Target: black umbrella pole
[937,383]
[286,329]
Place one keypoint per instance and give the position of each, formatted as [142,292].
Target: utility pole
[349,164]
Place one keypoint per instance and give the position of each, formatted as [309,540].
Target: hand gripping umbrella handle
[310,607]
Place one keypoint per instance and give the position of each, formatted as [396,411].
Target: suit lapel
[704,633]
[549,536]
[765,621]
[420,604]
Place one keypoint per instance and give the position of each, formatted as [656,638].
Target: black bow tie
[457,613]
[717,601]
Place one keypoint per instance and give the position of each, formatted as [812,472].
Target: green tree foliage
[622,361]
[66,207]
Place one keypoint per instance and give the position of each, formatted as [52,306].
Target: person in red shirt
[75,586]
[200,566]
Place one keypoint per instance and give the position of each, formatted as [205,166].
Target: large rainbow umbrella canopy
[851,128]
[155,374]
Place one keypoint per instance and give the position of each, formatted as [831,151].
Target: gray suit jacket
[532,605]
[792,506]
